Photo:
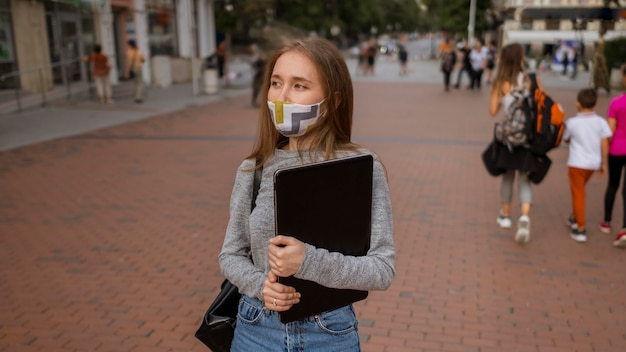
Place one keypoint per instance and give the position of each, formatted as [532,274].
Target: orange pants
[577,180]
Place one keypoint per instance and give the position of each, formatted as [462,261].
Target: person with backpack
[466,66]
[617,161]
[588,137]
[509,86]
[448,60]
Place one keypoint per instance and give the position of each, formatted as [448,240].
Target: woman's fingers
[277,296]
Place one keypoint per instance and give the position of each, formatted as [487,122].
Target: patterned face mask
[294,120]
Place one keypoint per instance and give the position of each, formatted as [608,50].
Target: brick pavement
[108,240]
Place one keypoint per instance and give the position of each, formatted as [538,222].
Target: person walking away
[403,57]
[588,137]
[565,62]
[509,78]
[466,66]
[305,75]
[600,72]
[448,60]
[575,62]
[478,60]
[258,66]
[443,46]
[491,60]
[100,68]
[370,55]
[362,68]
[617,162]
[134,63]
[220,51]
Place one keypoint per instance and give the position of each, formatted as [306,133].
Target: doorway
[65,29]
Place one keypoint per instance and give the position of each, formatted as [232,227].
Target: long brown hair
[509,66]
[334,128]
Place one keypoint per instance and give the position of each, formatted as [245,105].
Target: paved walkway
[109,237]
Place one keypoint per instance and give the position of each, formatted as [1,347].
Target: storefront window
[162,27]
[8,60]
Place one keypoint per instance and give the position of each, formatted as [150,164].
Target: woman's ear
[337,99]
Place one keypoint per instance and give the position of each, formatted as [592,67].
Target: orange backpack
[547,120]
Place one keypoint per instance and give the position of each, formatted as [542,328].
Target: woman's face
[295,80]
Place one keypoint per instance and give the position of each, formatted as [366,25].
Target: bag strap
[258,174]
[533,83]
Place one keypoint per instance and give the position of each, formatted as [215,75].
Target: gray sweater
[251,231]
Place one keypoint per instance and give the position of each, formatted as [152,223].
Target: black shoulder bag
[218,324]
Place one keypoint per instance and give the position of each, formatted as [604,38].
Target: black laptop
[327,204]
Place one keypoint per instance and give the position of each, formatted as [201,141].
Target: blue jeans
[259,329]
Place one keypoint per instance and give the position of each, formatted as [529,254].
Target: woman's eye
[299,86]
[275,84]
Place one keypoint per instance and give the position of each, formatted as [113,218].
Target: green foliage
[226,21]
[452,16]
[615,52]
[353,17]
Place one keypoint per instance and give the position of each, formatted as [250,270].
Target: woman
[311,73]
[100,68]
[509,78]
[448,61]
[617,161]
[478,60]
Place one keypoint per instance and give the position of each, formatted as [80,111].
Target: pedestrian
[448,60]
[403,57]
[466,66]
[509,78]
[565,62]
[370,57]
[575,59]
[258,65]
[310,75]
[220,51]
[600,72]
[491,60]
[362,68]
[134,63]
[478,60]
[588,137]
[100,68]
[617,161]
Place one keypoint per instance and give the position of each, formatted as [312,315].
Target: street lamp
[472,21]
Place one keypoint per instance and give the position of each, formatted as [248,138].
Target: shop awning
[76,3]
[572,13]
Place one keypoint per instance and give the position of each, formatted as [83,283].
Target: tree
[401,14]
[452,16]
[352,17]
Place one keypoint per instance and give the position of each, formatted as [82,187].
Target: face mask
[293,120]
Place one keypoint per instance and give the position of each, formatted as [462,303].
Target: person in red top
[100,71]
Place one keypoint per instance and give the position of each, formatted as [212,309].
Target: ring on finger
[274,302]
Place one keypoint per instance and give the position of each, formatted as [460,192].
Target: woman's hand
[277,296]
[285,255]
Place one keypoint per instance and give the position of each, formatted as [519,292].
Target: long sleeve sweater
[249,232]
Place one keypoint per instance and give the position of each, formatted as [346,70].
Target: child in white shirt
[588,137]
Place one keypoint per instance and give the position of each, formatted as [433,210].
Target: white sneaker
[503,221]
[523,229]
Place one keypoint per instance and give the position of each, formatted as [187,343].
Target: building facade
[42,42]
[541,24]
